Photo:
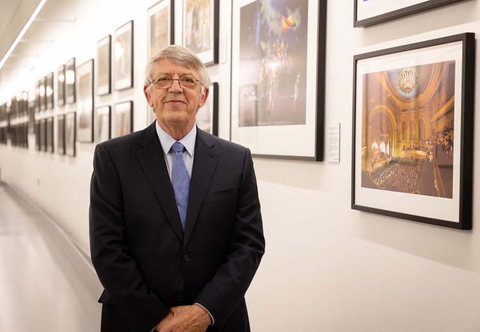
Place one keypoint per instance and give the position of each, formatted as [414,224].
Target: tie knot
[178,147]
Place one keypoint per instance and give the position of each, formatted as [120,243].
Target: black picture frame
[397,13]
[405,181]
[61,134]
[61,85]
[124,63]
[50,143]
[70,79]
[85,102]
[103,123]
[207,116]
[49,92]
[104,66]
[70,134]
[43,93]
[194,15]
[160,26]
[269,113]
[122,119]
[43,135]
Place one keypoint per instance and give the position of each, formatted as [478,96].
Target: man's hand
[164,321]
[192,318]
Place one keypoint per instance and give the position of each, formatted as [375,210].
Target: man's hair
[181,56]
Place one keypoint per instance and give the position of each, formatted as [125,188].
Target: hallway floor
[45,284]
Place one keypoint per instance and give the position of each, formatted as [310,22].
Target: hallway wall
[327,267]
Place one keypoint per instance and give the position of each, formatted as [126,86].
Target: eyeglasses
[185,82]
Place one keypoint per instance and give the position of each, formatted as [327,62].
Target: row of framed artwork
[370,12]
[107,125]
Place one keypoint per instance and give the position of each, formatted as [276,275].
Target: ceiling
[55,18]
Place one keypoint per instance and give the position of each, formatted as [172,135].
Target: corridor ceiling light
[22,33]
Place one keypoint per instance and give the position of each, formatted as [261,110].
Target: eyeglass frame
[179,84]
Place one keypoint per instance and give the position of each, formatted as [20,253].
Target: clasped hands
[189,318]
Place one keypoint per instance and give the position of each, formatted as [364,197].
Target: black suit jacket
[145,261]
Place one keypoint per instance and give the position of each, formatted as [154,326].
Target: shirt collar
[167,141]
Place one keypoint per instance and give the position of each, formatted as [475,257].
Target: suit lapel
[204,164]
[152,162]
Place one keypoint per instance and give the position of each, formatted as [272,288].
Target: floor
[45,284]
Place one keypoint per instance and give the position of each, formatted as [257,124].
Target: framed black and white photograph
[49,139]
[38,99]
[104,66]
[61,85]
[160,26]
[413,131]
[70,79]
[369,12]
[49,91]
[61,134]
[207,116]
[103,124]
[122,122]
[200,28]
[38,136]
[124,56]
[43,135]
[43,94]
[70,134]
[85,102]
[278,77]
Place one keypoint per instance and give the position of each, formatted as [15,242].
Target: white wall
[327,267]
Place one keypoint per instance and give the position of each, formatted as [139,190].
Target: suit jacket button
[186,258]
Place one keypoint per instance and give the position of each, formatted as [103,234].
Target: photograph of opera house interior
[408,136]
[239,166]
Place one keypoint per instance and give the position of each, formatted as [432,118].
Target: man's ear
[203,99]
[147,95]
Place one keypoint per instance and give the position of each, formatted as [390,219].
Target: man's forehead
[166,67]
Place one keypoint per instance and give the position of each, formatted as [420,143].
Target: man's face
[176,106]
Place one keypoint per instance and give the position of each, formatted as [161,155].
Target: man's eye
[188,80]
[163,79]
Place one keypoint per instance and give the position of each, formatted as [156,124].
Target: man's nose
[176,87]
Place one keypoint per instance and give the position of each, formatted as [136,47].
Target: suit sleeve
[115,267]
[224,292]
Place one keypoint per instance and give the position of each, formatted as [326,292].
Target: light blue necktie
[180,181]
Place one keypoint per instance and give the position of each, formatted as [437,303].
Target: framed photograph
[70,134]
[61,85]
[122,119]
[124,56]
[43,94]
[49,139]
[200,28]
[38,136]
[104,66]
[207,116]
[278,77]
[85,102]
[103,124]
[160,26]
[413,131]
[61,134]
[369,12]
[43,135]
[37,97]
[49,91]
[70,79]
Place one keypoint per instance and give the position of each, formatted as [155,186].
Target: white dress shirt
[167,141]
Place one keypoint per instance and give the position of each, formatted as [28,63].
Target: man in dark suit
[175,226]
